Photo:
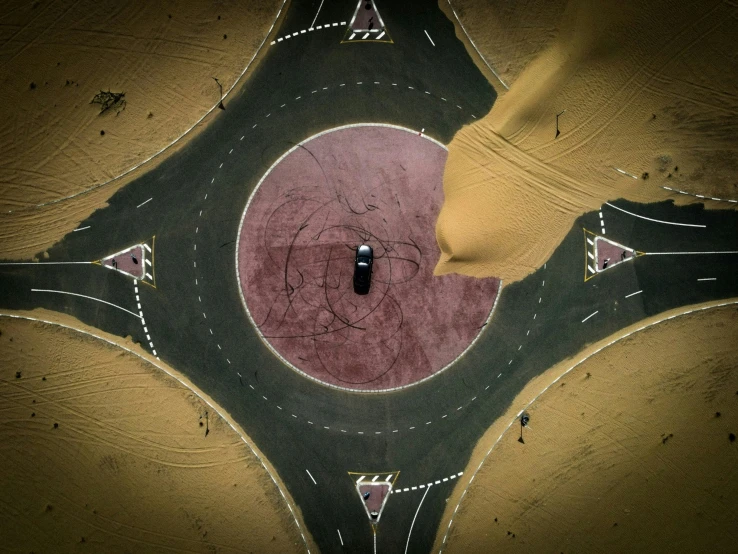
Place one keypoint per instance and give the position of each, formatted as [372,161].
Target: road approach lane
[425,432]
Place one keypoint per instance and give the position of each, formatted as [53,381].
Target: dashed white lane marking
[699,195]
[196,392]
[81,228]
[436,482]
[144,202]
[633,293]
[229,361]
[590,315]
[581,361]
[602,223]
[654,220]
[89,298]
[308,30]
[143,321]
[708,279]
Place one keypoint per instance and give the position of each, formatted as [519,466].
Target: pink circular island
[367,184]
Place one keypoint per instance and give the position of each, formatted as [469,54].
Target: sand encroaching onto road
[647,88]
[630,451]
[100,447]
[56,56]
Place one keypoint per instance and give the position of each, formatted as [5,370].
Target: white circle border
[243,299]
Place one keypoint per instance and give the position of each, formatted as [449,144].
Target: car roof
[364,250]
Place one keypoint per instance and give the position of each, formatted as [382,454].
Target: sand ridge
[147,465]
[637,98]
[629,450]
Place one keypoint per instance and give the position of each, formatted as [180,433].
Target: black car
[363,269]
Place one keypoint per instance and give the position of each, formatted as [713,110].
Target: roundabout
[362,184]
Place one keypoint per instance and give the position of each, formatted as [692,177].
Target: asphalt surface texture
[313,435]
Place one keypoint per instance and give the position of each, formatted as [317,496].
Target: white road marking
[365,35]
[407,545]
[690,253]
[43,263]
[311,477]
[708,279]
[339,531]
[380,35]
[430,39]
[591,269]
[80,228]
[352,36]
[590,242]
[88,297]
[590,315]
[360,479]
[625,173]
[144,202]
[147,247]
[633,293]
[591,255]
[375,478]
[656,220]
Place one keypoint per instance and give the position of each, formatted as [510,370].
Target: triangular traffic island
[602,254]
[374,489]
[136,261]
[366,25]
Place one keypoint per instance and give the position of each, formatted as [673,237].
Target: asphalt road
[195,317]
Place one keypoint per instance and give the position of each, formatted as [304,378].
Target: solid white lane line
[407,544]
[42,263]
[625,173]
[708,279]
[590,315]
[144,202]
[430,39]
[340,538]
[656,220]
[311,477]
[690,253]
[80,228]
[633,293]
[88,297]
[312,25]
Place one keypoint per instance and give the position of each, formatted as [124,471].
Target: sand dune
[56,56]
[630,452]
[101,450]
[648,88]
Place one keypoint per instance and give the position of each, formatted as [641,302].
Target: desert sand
[102,450]
[57,56]
[632,451]
[649,88]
